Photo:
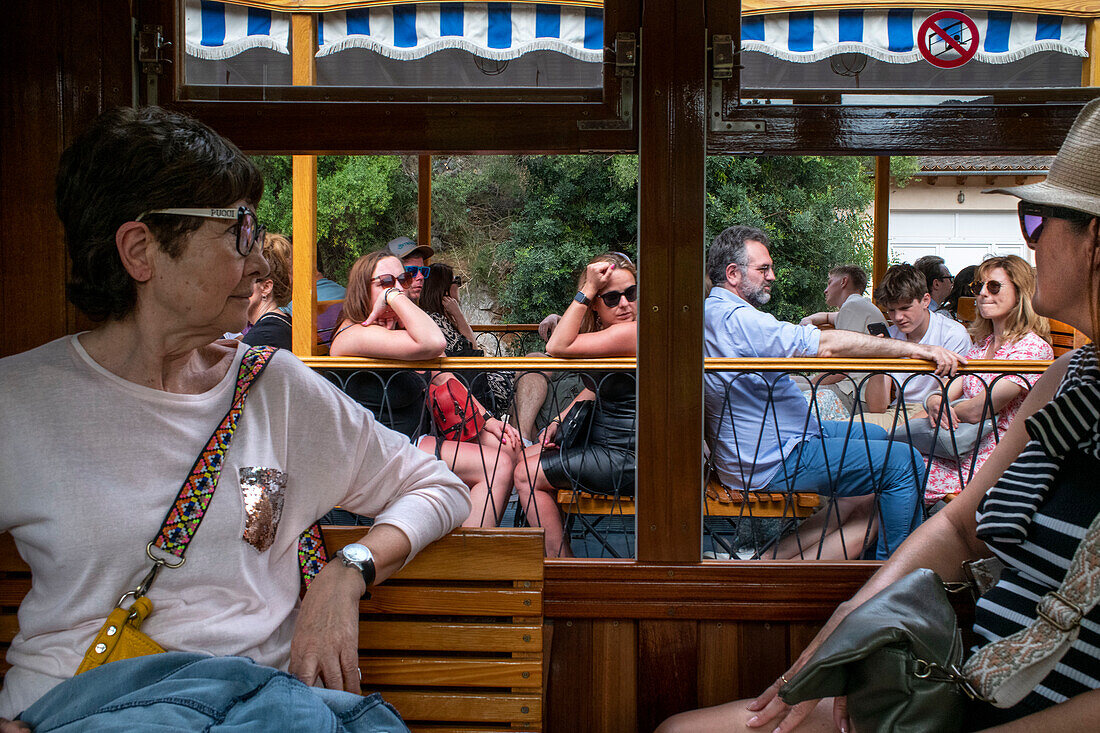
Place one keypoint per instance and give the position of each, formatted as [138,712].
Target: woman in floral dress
[1005,327]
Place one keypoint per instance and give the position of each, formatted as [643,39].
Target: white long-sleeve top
[90,464]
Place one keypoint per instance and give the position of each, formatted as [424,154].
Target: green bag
[897,659]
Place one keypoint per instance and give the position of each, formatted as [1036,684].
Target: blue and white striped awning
[495,30]
[890,35]
[216,31]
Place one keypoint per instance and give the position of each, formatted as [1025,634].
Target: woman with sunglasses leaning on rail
[159,218]
[599,322]
[1005,327]
[378,321]
[1048,510]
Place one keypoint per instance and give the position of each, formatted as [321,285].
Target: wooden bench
[720,502]
[454,640]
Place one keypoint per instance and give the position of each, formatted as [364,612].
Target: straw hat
[1074,178]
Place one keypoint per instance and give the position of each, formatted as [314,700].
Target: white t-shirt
[90,463]
[942,331]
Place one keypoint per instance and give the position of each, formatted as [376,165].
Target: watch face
[356,553]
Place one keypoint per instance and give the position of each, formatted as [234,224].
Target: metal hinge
[151,46]
[723,62]
[626,54]
[626,61]
[722,54]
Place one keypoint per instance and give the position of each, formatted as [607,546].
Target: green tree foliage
[813,210]
[363,201]
[525,225]
[576,206]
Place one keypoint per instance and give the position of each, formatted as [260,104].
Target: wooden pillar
[672,145]
[880,253]
[424,201]
[303,339]
[1090,69]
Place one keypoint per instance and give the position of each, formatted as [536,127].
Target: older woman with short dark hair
[160,224]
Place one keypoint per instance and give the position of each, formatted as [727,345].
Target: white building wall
[930,219]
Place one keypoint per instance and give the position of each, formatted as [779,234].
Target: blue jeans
[856,463]
[182,691]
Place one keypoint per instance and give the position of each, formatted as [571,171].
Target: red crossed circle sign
[948,39]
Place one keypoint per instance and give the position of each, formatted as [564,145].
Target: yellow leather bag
[121,637]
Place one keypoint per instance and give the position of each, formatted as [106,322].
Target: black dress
[602,462]
[272,329]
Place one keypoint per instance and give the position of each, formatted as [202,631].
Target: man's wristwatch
[359,557]
[582,298]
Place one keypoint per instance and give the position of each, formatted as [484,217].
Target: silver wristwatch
[359,557]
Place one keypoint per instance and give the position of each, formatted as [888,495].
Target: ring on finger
[783,679]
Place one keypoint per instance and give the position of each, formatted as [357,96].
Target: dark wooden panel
[614,684]
[969,130]
[763,656]
[710,590]
[571,705]
[719,672]
[668,660]
[670,326]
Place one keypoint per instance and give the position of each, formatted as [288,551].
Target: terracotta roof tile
[984,163]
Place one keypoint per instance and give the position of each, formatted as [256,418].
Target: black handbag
[575,425]
[897,659]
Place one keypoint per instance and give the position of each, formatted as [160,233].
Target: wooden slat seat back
[454,640]
[15,582]
[967,309]
[1065,338]
[720,502]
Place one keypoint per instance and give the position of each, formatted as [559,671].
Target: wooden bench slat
[9,625]
[432,601]
[12,590]
[431,728]
[442,635]
[475,554]
[10,561]
[465,707]
[451,672]
[756,504]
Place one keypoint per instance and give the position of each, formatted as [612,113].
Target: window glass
[442,45]
[923,57]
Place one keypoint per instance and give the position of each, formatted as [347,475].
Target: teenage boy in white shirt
[904,294]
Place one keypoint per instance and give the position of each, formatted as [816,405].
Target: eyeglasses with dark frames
[1034,216]
[612,298]
[388,281]
[422,270]
[249,230]
[992,286]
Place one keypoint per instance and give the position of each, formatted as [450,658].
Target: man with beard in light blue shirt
[759,426]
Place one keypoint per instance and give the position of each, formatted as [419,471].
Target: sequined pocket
[263,490]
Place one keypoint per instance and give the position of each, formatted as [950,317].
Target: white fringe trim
[905,57]
[493,54]
[229,50]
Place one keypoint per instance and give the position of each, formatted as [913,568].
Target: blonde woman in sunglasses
[599,457]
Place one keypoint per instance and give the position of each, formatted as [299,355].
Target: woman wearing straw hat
[1032,500]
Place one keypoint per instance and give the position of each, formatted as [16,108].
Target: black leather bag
[576,424]
[897,659]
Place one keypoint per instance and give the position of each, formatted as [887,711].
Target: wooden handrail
[976,366]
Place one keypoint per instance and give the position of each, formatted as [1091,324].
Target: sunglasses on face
[249,230]
[422,270]
[388,281]
[1034,216]
[457,281]
[612,298]
[992,286]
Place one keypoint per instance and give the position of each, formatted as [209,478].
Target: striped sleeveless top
[1046,519]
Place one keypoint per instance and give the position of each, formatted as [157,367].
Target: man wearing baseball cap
[412,255]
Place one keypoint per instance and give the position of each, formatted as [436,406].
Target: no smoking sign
[948,39]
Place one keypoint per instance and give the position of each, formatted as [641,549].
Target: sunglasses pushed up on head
[1033,217]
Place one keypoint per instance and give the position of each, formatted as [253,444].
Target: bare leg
[538,501]
[531,389]
[487,471]
[733,717]
[845,536]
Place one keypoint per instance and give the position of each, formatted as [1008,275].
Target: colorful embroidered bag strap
[189,508]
